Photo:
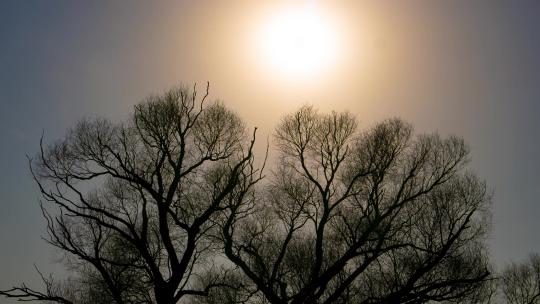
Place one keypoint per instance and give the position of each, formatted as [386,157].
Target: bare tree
[520,283]
[133,205]
[375,217]
[146,211]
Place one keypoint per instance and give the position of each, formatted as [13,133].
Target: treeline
[173,206]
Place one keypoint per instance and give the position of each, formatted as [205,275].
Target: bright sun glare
[299,42]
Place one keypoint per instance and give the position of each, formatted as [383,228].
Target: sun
[299,42]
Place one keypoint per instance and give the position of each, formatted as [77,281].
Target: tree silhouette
[169,206]
[373,217]
[133,204]
[520,283]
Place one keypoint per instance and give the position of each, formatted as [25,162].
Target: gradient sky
[470,68]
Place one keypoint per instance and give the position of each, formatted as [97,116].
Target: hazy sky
[470,68]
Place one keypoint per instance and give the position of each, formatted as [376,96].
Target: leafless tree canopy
[363,217]
[132,204]
[520,283]
[169,207]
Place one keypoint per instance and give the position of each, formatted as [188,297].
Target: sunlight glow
[299,42]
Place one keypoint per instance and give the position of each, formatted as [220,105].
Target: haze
[456,67]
